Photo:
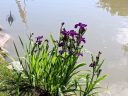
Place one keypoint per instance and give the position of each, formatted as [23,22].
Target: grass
[5,74]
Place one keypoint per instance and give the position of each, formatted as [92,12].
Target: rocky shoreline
[4,37]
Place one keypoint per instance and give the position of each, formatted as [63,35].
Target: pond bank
[4,37]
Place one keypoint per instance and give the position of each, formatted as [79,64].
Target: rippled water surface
[107,30]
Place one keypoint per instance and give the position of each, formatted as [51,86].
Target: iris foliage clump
[55,71]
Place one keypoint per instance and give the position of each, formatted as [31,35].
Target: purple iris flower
[81,39]
[72,33]
[61,52]
[82,26]
[79,54]
[39,39]
[92,64]
[97,57]
[65,33]
[39,42]
[61,44]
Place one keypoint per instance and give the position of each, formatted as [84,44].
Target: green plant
[54,71]
[92,77]
[5,74]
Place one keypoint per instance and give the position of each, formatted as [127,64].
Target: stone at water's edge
[1,58]
[4,37]
[3,52]
[16,66]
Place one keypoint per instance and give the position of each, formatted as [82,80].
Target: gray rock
[1,57]
[3,52]
[4,37]
[16,66]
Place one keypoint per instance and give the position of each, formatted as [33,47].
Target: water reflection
[117,89]
[115,7]
[125,47]
[22,11]
[10,19]
[122,36]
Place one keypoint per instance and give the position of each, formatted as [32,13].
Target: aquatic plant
[55,71]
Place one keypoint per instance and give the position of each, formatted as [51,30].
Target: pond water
[107,30]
